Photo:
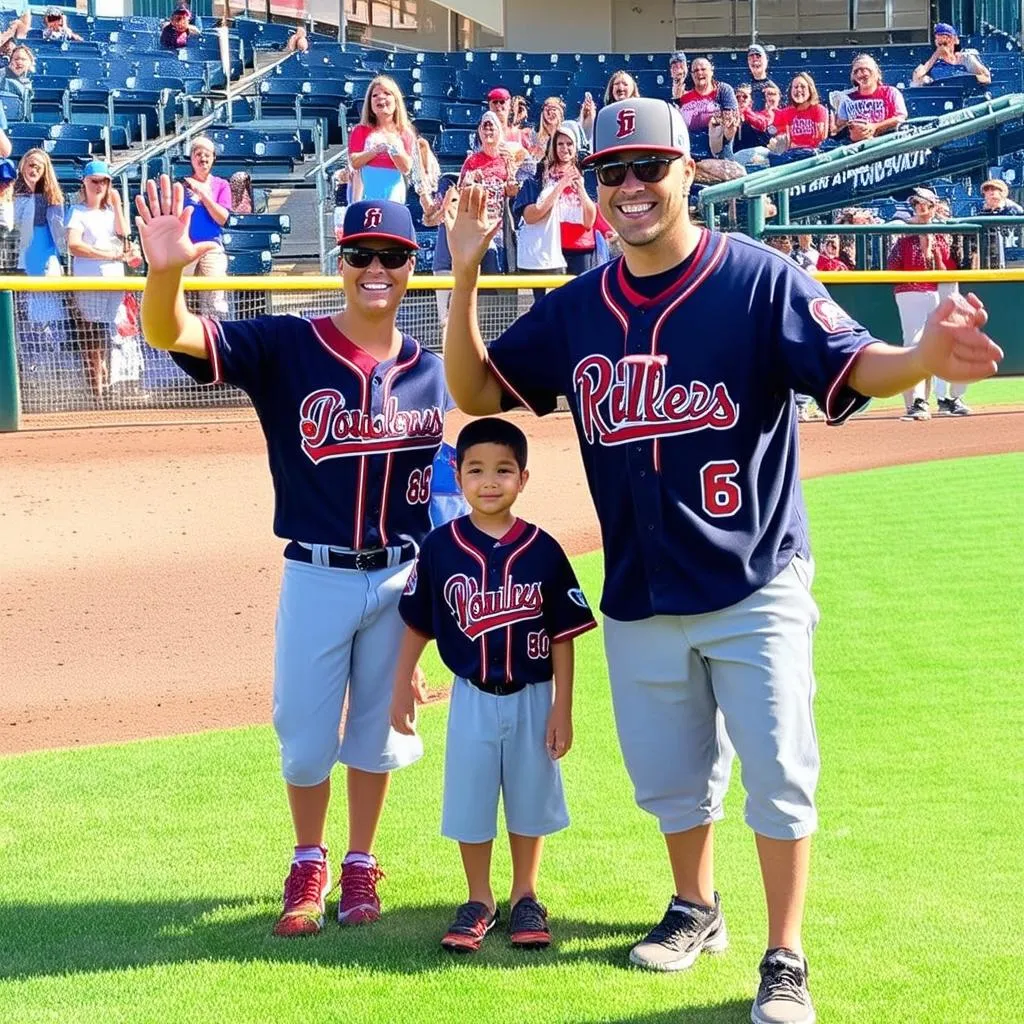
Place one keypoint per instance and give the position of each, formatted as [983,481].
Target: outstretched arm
[953,346]
[163,223]
[472,384]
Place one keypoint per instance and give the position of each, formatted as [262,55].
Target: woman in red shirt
[380,146]
[828,257]
[916,300]
[803,123]
[492,168]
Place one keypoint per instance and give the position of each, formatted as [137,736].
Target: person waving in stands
[802,126]
[381,146]
[353,414]
[710,111]
[871,108]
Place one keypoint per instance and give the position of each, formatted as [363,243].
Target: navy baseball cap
[647,124]
[945,29]
[379,218]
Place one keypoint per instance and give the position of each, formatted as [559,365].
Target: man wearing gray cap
[681,387]
[757,62]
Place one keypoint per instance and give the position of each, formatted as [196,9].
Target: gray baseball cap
[646,124]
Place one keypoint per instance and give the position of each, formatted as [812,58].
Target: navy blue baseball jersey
[495,607]
[350,441]
[684,412]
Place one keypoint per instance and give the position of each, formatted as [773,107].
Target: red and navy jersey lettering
[495,607]
[684,411]
[350,441]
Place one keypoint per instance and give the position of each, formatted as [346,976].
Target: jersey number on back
[417,491]
[719,493]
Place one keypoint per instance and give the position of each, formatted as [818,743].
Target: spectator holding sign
[871,108]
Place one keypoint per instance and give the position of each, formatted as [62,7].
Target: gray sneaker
[782,997]
[686,931]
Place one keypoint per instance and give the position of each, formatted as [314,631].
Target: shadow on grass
[734,1011]
[38,940]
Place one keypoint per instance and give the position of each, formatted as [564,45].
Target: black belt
[365,561]
[499,689]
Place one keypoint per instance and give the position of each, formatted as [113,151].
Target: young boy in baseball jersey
[499,596]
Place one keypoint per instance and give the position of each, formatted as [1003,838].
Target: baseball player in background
[353,412]
[682,393]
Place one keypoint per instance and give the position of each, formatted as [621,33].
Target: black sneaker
[945,406]
[958,407]
[473,920]
[528,925]
[686,931]
[782,997]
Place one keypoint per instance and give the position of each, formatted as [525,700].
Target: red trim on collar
[515,531]
[342,346]
[636,299]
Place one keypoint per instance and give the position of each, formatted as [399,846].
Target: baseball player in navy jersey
[353,413]
[681,389]
[499,596]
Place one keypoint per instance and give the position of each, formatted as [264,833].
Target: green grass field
[139,882]
[983,395]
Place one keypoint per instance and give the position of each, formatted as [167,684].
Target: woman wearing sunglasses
[353,413]
[679,362]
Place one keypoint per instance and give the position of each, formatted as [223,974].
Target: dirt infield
[138,576]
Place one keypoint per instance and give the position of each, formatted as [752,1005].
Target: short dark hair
[491,430]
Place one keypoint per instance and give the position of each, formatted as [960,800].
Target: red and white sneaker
[305,888]
[359,902]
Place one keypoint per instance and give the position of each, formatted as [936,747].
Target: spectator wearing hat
[871,108]
[757,63]
[493,169]
[499,103]
[710,111]
[916,300]
[178,32]
[98,237]
[997,203]
[209,198]
[948,62]
[380,147]
[186,5]
[678,71]
[56,28]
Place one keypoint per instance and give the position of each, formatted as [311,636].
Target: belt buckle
[365,560]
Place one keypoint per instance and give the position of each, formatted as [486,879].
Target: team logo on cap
[626,120]
[372,217]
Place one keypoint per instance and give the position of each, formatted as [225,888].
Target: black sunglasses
[648,169]
[390,259]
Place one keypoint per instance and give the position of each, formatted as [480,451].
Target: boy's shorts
[496,744]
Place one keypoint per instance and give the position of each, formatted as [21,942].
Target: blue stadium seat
[14,107]
[426,106]
[551,83]
[596,63]
[435,82]
[485,61]
[245,241]
[278,222]
[249,262]
[472,88]
[655,83]
[462,115]
[455,143]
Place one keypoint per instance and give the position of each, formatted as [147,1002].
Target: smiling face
[993,197]
[743,98]
[757,64]
[565,149]
[799,91]
[864,74]
[490,478]
[551,115]
[489,134]
[924,210]
[375,291]
[702,73]
[772,97]
[640,212]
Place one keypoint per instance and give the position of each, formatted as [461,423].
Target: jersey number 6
[719,493]
[417,491]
